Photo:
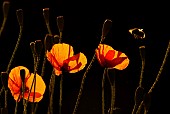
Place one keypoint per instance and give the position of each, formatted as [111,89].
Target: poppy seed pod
[38,47]
[19,14]
[22,74]
[48,42]
[106,27]
[32,46]
[4,79]
[5,6]
[46,15]
[56,39]
[60,23]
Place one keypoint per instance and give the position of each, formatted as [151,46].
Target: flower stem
[103,99]
[113,91]
[83,79]
[61,92]
[142,54]
[157,77]
[3,25]
[51,93]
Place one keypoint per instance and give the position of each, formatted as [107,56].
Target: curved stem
[113,91]
[33,83]
[15,49]
[103,99]
[141,49]
[82,84]
[3,25]
[51,93]
[83,79]
[61,92]
[157,77]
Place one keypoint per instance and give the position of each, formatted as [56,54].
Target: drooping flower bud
[38,47]
[19,14]
[22,74]
[5,6]
[4,79]
[60,23]
[48,42]
[106,27]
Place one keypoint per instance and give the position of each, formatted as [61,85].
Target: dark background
[83,21]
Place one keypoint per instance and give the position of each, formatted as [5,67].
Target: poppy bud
[46,15]
[19,14]
[4,79]
[22,74]
[38,47]
[32,46]
[60,23]
[6,5]
[106,27]
[56,39]
[142,52]
[48,42]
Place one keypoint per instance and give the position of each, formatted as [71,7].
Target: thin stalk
[157,77]
[16,104]
[51,93]
[6,98]
[16,107]
[61,93]
[141,49]
[33,83]
[103,99]
[15,49]
[113,91]
[3,25]
[83,80]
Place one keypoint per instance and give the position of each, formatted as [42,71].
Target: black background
[83,21]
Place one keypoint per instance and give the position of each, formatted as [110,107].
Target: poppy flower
[15,85]
[110,58]
[62,58]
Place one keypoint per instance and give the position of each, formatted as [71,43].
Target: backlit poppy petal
[39,88]
[62,52]
[124,63]
[53,61]
[15,82]
[101,52]
[75,63]
[110,58]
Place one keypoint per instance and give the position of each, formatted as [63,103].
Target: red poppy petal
[110,55]
[75,63]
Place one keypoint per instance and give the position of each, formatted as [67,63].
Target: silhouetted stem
[16,107]
[15,49]
[6,98]
[33,83]
[2,89]
[142,54]
[3,25]
[51,93]
[61,92]
[103,99]
[112,86]
[157,77]
[141,49]
[83,80]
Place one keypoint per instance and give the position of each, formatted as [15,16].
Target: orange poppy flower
[15,85]
[110,58]
[62,57]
